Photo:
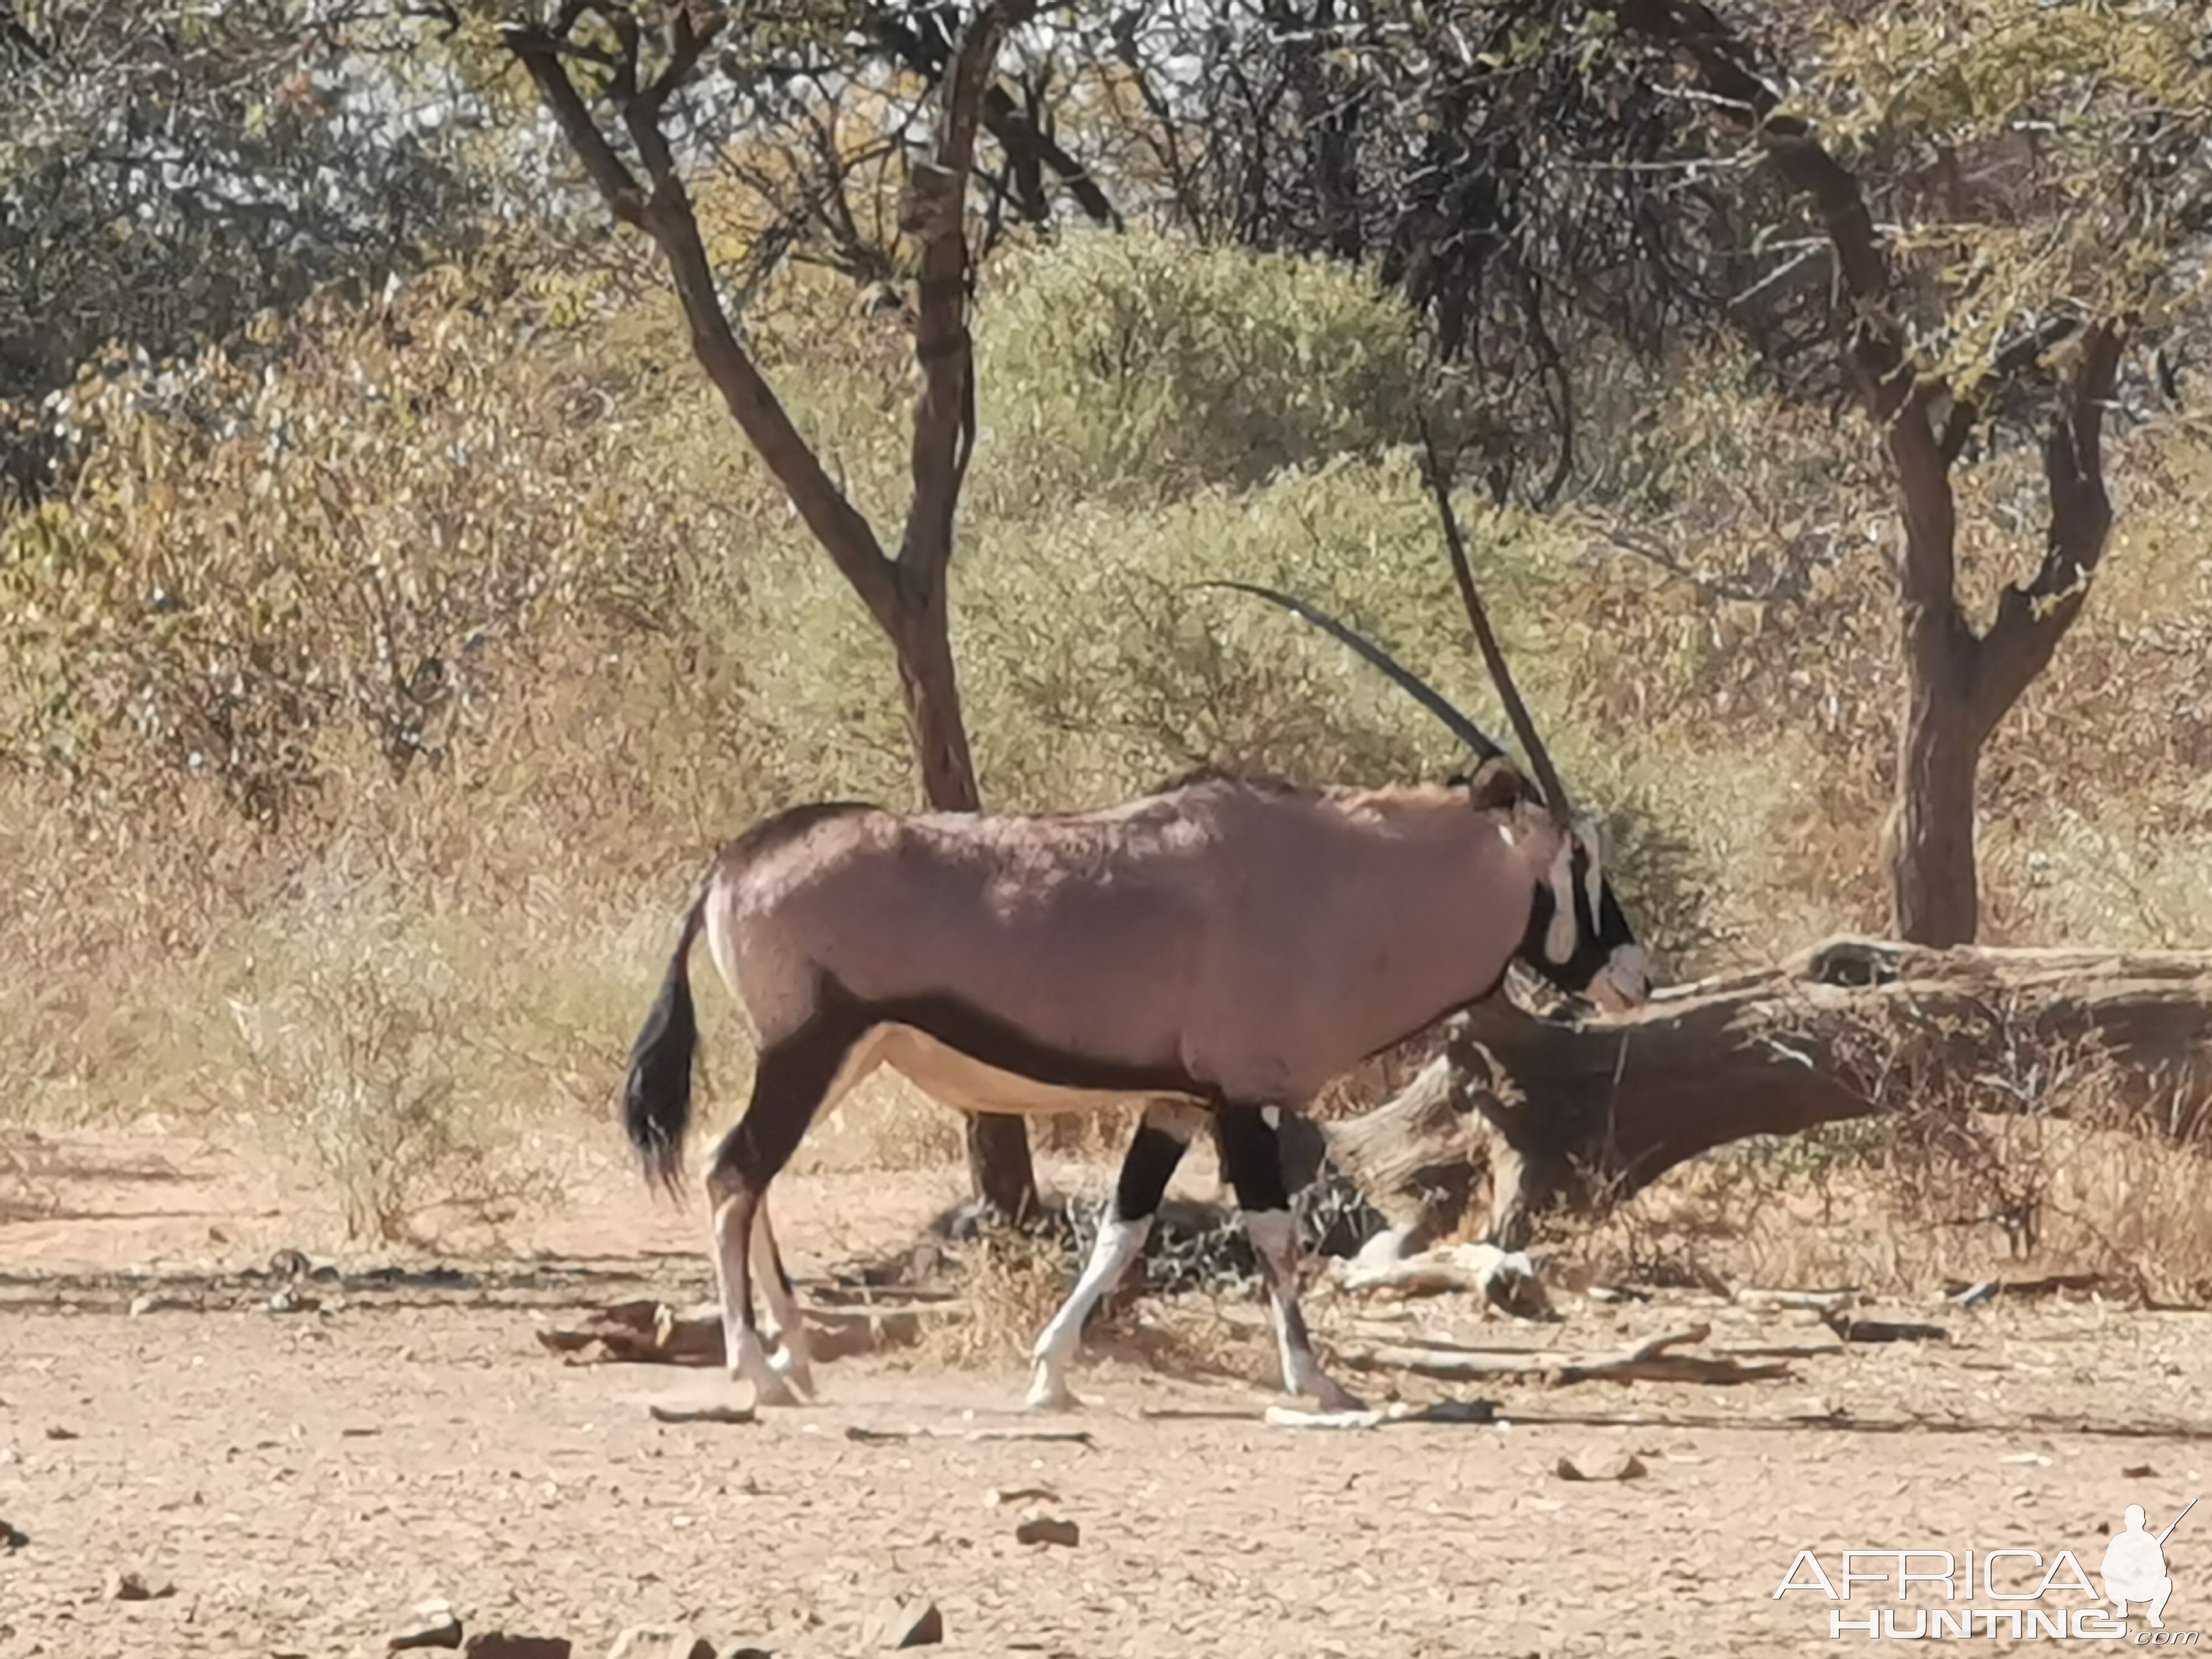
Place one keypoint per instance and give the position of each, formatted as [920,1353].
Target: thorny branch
[935,211]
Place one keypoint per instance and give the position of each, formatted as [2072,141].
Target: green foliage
[170,170]
[1139,365]
[2035,160]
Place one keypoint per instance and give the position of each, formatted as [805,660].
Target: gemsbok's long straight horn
[1486,747]
[1433,469]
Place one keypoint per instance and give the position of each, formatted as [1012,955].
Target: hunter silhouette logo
[2135,1565]
[1914,1595]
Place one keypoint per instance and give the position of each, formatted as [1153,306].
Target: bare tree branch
[2009,362]
[945,418]
[2033,616]
[1876,349]
[1020,133]
[539,50]
[666,217]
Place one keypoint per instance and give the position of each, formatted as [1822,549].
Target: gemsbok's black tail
[657,1095]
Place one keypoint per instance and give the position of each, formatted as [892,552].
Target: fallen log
[1555,1112]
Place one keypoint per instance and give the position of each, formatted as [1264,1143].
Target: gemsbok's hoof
[798,1377]
[1335,1397]
[1051,1394]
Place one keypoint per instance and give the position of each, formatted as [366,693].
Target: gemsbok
[1220,949]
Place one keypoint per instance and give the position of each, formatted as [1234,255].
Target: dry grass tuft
[2108,1203]
[1009,1284]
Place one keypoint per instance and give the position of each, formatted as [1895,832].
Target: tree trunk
[1934,890]
[1587,1115]
[931,686]
[907,595]
[1961,682]
[1001,1176]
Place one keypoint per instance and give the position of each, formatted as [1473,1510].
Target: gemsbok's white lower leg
[786,1322]
[1275,1242]
[746,1356]
[1118,1245]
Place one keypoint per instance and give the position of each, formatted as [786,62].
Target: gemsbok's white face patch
[1591,837]
[1559,937]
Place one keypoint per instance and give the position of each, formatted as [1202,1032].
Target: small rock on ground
[1620,1466]
[1048,1529]
[498,1644]
[905,1625]
[661,1642]
[11,1538]
[133,1587]
[435,1625]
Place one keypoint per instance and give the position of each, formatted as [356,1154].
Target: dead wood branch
[1586,1115]
[1851,1329]
[1383,1416]
[1647,1361]
[893,1436]
[1821,1301]
[656,1334]
[737,1414]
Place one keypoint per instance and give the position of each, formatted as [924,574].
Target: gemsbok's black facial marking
[1597,937]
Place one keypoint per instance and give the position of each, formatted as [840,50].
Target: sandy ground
[303,1478]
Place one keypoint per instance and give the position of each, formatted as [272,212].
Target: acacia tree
[2007,196]
[612,58]
[1960,215]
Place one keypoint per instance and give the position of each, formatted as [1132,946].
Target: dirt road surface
[303,1478]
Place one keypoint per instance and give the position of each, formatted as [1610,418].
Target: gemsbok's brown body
[1227,946]
[1220,949]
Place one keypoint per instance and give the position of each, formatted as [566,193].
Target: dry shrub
[1008,1283]
[1137,365]
[2001,1140]
[358,1048]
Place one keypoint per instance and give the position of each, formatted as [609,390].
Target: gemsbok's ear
[1497,784]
